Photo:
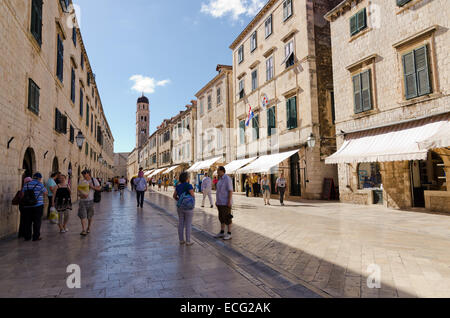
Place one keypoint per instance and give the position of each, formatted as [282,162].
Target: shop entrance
[296,189]
[426,175]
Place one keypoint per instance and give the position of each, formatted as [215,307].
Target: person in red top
[215,181]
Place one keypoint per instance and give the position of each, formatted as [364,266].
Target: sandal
[83,233]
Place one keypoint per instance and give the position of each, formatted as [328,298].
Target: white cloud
[235,8]
[145,84]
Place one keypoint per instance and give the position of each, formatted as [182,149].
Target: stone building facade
[214,125]
[391,81]
[283,70]
[48,95]
[121,163]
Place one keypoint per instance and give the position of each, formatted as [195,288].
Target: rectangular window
[291,111]
[241,89]
[33,96]
[255,127]
[241,54]
[92,123]
[72,134]
[242,132]
[72,87]
[253,42]
[82,61]
[289,54]
[268,26]
[36,20]
[201,107]
[219,96]
[401,3]
[287,9]
[89,79]
[74,36]
[60,122]
[358,22]
[271,121]
[254,80]
[269,68]
[416,73]
[64,5]
[60,60]
[81,102]
[86,151]
[362,92]
[219,138]
[209,102]
[87,115]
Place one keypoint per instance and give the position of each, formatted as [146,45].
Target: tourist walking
[86,191]
[166,184]
[280,187]
[159,184]
[185,197]
[141,187]
[265,185]
[224,203]
[63,203]
[122,183]
[132,183]
[153,182]
[33,207]
[51,190]
[247,185]
[17,201]
[207,190]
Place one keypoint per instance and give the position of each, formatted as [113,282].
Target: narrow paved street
[330,246]
[130,253]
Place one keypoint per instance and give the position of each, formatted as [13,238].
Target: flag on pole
[250,116]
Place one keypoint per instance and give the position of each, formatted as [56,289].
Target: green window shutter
[36,98]
[288,113]
[410,75]
[401,3]
[353,25]
[366,95]
[30,95]
[422,71]
[362,20]
[357,93]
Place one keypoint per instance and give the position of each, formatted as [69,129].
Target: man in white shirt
[86,191]
[206,190]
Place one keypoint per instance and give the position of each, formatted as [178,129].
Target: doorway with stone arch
[55,165]
[29,163]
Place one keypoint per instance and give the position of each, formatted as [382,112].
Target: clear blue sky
[172,46]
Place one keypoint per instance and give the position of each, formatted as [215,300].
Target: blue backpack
[186,201]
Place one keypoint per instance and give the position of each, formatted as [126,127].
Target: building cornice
[252,23]
[340,9]
[225,72]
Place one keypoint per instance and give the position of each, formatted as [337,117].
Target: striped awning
[407,141]
[170,169]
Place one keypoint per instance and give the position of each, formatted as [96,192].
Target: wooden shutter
[64,124]
[57,121]
[362,21]
[422,71]
[357,93]
[410,75]
[293,112]
[353,25]
[366,95]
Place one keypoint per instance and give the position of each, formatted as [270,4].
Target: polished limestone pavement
[130,252]
[335,248]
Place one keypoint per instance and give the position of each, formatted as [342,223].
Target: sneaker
[189,243]
[62,231]
[182,242]
[227,237]
[83,233]
[220,235]
[66,229]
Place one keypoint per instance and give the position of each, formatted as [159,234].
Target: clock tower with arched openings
[142,121]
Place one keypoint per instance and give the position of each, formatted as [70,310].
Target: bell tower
[142,121]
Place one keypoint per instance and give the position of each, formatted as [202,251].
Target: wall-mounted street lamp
[100,159]
[80,139]
[311,141]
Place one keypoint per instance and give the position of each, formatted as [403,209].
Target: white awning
[440,140]
[392,143]
[148,173]
[235,165]
[265,164]
[203,165]
[170,169]
[156,172]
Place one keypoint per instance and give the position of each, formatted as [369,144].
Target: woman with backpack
[32,204]
[63,203]
[185,197]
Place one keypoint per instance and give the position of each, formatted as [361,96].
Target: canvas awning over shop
[393,143]
[170,169]
[266,163]
[156,172]
[440,140]
[203,165]
[233,166]
[147,173]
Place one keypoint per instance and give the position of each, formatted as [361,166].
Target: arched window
[369,175]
